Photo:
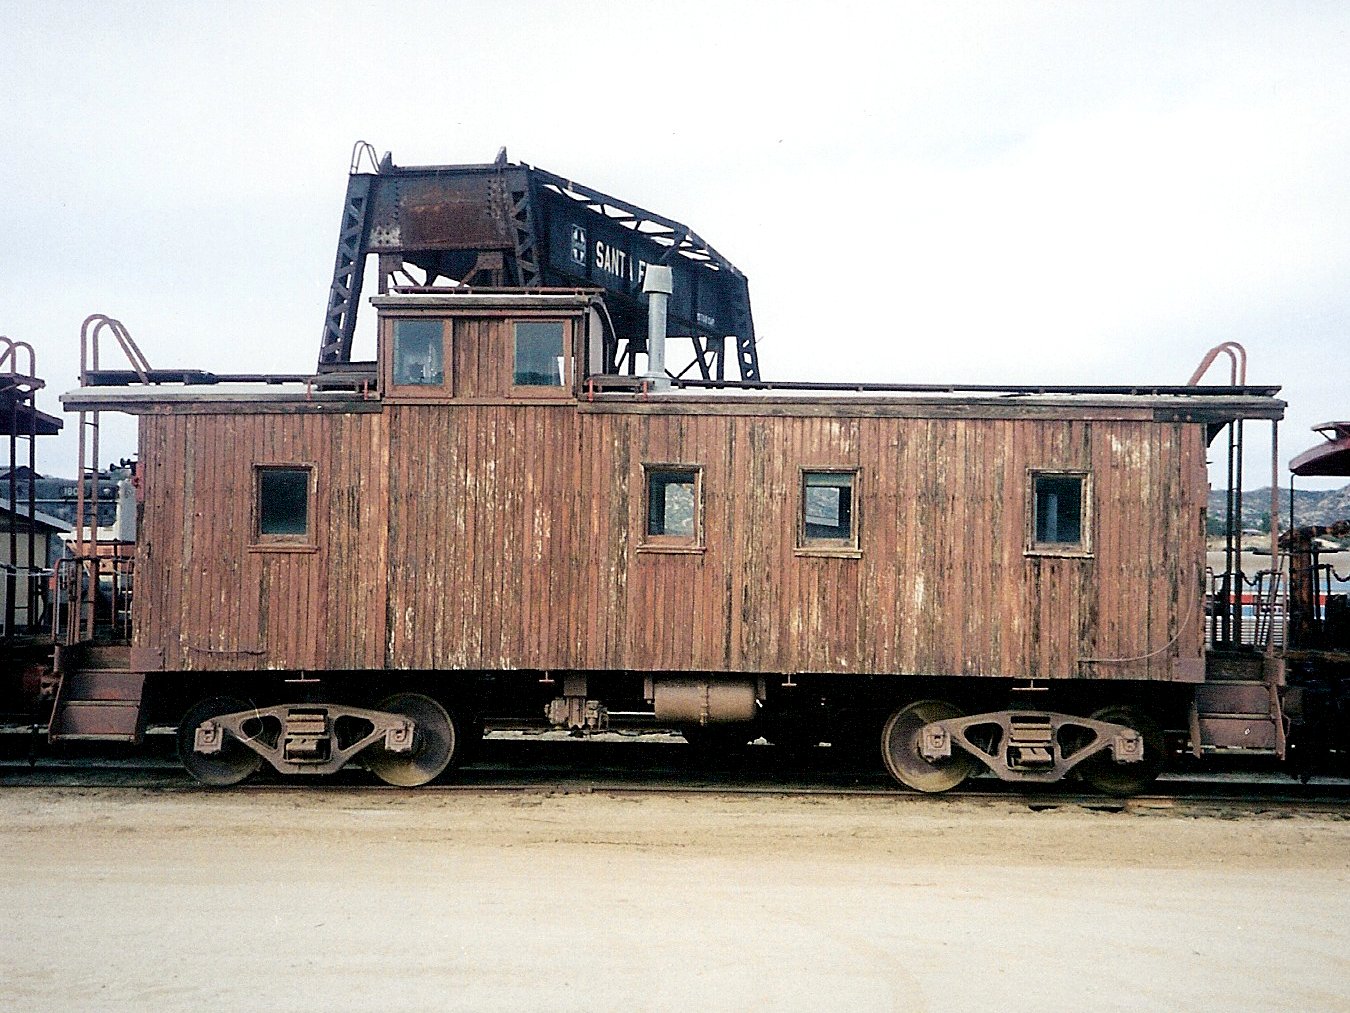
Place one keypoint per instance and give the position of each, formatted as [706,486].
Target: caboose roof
[1142,404]
[351,387]
[1163,404]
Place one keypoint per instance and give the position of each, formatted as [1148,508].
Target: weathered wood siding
[482,356]
[213,601]
[506,535]
[514,544]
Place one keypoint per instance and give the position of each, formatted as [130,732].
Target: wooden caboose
[497,530]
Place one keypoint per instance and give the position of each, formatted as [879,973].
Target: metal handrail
[89,346]
[35,577]
[1269,604]
[22,393]
[9,352]
[360,150]
[75,612]
[1237,356]
[86,509]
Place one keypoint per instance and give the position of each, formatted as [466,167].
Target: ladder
[22,573]
[98,694]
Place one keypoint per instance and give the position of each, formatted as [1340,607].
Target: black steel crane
[511,224]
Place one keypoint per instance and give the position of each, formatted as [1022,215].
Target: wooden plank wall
[513,544]
[499,536]
[482,357]
[210,600]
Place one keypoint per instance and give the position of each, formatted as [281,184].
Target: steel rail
[169,776]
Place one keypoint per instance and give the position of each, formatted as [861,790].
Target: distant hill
[1311,506]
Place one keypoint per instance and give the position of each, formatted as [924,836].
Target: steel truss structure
[508,223]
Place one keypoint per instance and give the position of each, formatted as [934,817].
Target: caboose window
[419,358]
[828,517]
[539,354]
[673,501]
[1059,512]
[283,503]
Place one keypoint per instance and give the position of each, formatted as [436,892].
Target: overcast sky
[1070,193]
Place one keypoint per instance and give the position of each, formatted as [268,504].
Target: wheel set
[931,746]
[233,762]
[906,763]
[407,740]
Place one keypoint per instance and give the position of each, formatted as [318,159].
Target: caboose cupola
[476,346]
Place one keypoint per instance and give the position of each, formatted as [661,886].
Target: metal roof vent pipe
[657,283]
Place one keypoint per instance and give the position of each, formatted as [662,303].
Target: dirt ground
[127,898]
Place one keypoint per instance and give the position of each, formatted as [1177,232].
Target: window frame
[419,391]
[1081,549]
[844,548]
[262,542]
[542,392]
[648,542]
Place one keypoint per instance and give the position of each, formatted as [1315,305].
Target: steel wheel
[234,763]
[900,749]
[434,747]
[1112,778]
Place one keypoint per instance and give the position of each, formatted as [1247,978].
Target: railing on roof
[978,388]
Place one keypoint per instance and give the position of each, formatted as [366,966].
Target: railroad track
[535,765]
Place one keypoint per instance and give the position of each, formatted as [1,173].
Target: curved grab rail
[1237,356]
[363,149]
[89,346]
[9,353]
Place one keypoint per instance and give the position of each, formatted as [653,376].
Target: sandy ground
[126,898]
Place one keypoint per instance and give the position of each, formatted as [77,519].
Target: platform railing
[17,391]
[93,597]
[1264,603]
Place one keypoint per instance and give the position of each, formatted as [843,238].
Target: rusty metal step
[104,684]
[1237,714]
[1235,697]
[109,656]
[1229,667]
[98,704]
[1239,731]
[97,720]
